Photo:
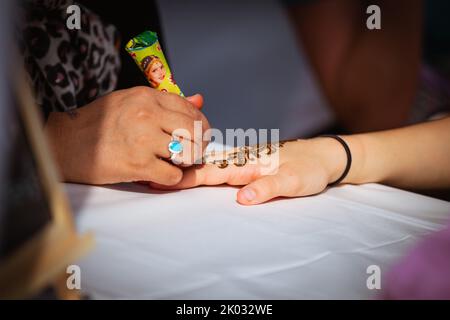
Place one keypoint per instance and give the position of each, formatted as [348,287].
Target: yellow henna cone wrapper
[147,53]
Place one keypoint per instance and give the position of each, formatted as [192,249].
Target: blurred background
[304,67]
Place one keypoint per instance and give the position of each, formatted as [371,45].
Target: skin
[123,137]
[414,157]
[368,76]
[117,138]
[156,73]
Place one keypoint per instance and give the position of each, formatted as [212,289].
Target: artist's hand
[124,137]
[290,169]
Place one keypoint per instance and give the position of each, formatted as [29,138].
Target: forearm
[412,157]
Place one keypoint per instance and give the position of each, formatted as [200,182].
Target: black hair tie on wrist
[349,157]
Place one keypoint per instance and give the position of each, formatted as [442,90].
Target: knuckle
[273,185]
[204,121]
[147,110]
[266,187]
[189,150]
[167,98]
[141,140]
[139,164]
[141,112]
[140,91]
[184,125]
[191,108]
[294,186]
[297,190]
[143,91]
[173,176]
[192,112]
[180,103]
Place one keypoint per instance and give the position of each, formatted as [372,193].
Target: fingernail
[249,194]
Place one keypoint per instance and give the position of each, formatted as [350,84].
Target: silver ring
[175,148]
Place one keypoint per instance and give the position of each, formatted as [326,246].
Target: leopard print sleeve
[67,68]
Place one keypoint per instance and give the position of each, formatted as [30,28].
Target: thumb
[259,191]
[196,100]
[284,183]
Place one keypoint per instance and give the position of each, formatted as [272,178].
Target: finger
[162,148]
[259,191]
[142,182]
[191,178]
[164,173]
[190,154]
[269,187]
[180,125]
[211,174]
[196,100]
[174,102]
[177,123]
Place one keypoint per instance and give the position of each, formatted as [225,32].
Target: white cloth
[200,243]
[244,57]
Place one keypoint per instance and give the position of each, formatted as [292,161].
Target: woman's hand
[289,169]
[124,137]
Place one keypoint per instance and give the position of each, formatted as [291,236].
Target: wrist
[62,139]
[53,133]
[333,157]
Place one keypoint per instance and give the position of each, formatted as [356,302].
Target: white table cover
[201,244]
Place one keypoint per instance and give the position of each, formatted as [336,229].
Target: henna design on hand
[243,155]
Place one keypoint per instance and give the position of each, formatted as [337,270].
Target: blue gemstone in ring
[175,147]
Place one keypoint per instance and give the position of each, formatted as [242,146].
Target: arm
[369,77]
[411,157]
[415,157]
